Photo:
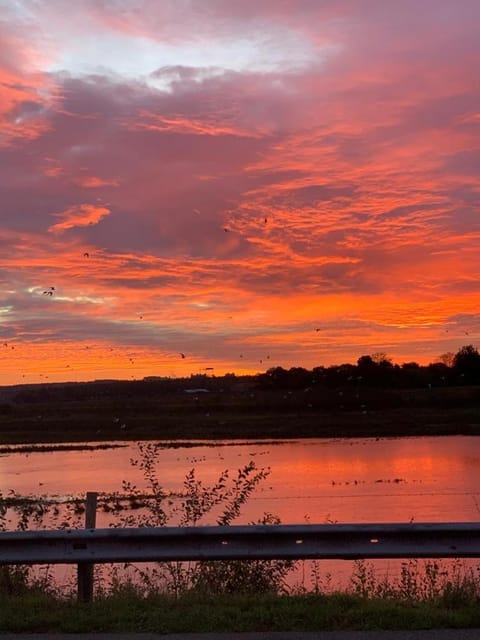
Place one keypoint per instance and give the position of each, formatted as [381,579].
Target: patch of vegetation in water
[39,448]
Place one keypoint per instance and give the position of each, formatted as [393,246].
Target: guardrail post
[85,569]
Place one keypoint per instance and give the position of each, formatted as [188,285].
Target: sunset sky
[252,184]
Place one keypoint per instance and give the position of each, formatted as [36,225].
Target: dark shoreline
[109,413]
[376,423]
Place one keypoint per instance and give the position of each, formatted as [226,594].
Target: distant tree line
[371,371]
[377,370]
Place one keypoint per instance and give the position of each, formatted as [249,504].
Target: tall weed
[218,503]
[452,583]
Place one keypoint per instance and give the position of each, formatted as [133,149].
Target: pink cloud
[184,125]
[26,92]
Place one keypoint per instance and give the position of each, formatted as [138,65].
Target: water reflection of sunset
[424,479]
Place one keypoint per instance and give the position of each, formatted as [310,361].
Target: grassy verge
[37,612]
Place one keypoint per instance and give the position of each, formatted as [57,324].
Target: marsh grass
[451,583]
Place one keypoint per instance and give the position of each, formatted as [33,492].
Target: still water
[423,479]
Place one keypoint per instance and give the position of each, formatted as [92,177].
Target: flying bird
[86,254]
[182,354]
[49,291]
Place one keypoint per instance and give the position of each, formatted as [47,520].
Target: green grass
[37,612]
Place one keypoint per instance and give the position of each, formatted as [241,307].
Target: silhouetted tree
[380,357]
[466,364]
[299,377]
[376,369]
[438,374]
[411,375]
[365,363]
[273,378]
[447,358]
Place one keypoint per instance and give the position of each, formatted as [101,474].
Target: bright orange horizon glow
[262,185]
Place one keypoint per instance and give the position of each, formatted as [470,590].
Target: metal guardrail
[86,547]
[331,541]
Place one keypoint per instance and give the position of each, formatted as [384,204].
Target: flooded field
[424,479]
[343,480]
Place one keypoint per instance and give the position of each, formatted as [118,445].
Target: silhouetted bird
[183,355]
[86,254]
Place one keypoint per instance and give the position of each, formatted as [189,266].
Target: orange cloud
[81,215]
[93,182]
